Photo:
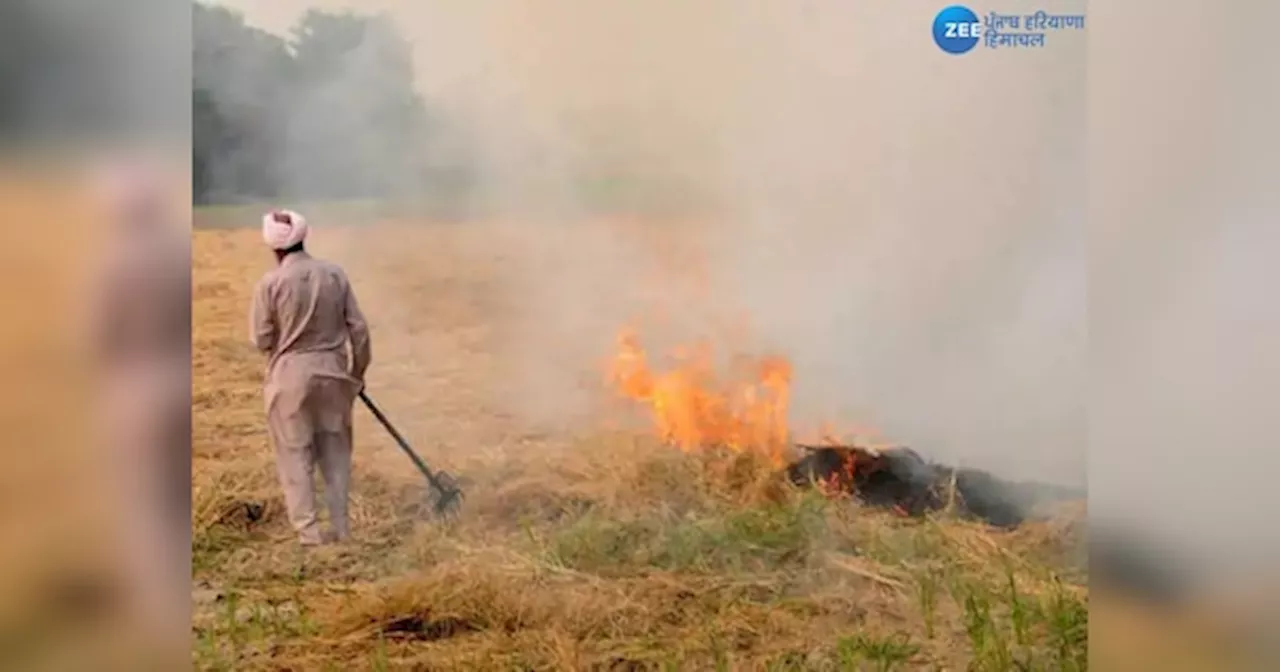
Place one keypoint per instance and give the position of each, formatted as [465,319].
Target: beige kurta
[303,317]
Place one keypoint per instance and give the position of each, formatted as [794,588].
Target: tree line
[329,111]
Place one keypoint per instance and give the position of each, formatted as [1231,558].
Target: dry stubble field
[584,547]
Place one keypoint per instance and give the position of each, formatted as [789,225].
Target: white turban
[282,229]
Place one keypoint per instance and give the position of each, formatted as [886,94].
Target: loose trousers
[309,419]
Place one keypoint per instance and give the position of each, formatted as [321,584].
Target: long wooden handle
[400,440]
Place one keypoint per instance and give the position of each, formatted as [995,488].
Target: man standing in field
[304,315]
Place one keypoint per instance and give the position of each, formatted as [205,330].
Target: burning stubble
[693,408]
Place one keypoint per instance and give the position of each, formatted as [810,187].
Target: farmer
[303,316]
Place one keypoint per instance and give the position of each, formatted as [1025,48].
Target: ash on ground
[901,479]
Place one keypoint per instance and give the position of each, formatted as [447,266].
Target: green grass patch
[244,629]
[755,539]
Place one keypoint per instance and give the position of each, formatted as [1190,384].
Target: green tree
[240,79]
[331,112]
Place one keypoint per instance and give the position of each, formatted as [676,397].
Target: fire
[694,408]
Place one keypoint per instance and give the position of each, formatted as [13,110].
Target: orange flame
[694,409]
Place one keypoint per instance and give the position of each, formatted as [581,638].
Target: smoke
[1183,340]
[905,225]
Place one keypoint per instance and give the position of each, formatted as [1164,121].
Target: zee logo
[963,30]
[956,29]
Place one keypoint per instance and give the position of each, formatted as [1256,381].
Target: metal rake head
[448,498]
